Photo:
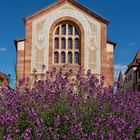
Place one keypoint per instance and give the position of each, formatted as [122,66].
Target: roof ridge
[76,4]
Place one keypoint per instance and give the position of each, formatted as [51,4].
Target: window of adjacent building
[130,77]
[66,44]
[139,74]
[138,88]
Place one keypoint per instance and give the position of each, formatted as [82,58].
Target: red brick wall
[28,48]
[20,65]
[107,58]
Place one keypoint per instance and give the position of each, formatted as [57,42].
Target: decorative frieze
[40,38]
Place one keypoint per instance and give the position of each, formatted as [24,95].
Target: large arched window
[67,43]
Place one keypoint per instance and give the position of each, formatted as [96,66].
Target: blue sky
[124,27]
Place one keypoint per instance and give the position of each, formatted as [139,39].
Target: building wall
[95,53]
[42,27]
[137,79]
[4,82]
[131,80]
[20,60]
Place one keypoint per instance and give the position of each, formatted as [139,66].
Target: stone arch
[82,35]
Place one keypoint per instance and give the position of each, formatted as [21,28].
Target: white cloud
[117,69]
[132,43]
[2,49]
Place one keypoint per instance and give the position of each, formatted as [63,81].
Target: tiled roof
[3,76]
[135,61]
[136,58]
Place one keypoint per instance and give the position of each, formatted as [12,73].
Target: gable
[74,4]
[134,63]
[136,58]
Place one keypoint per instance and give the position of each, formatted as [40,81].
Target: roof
[136,58]
[18,40]
[76,4]
[3,76]
[112,42]
[135,61]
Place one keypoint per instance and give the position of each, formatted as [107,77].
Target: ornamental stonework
[40,37]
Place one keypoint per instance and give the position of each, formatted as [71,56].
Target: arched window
[56,57]
[77,58]
[70,57]
[57,31]
[56,43]
[70,43]
[63,43]
[63,27]
[76,43]
[76,31]
[70,29]
[63,57]
[67,42]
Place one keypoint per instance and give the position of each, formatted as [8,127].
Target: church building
[66,33]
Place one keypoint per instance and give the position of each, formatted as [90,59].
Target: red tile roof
[135,61]
[136,58]
[4,79]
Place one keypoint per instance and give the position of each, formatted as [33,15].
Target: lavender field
[63,108]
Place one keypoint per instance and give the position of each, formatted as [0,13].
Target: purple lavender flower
[61,108]
[57,121]
[94,134]
[17,130]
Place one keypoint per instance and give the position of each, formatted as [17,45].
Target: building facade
[4,82]
[132,75]
[66,33]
